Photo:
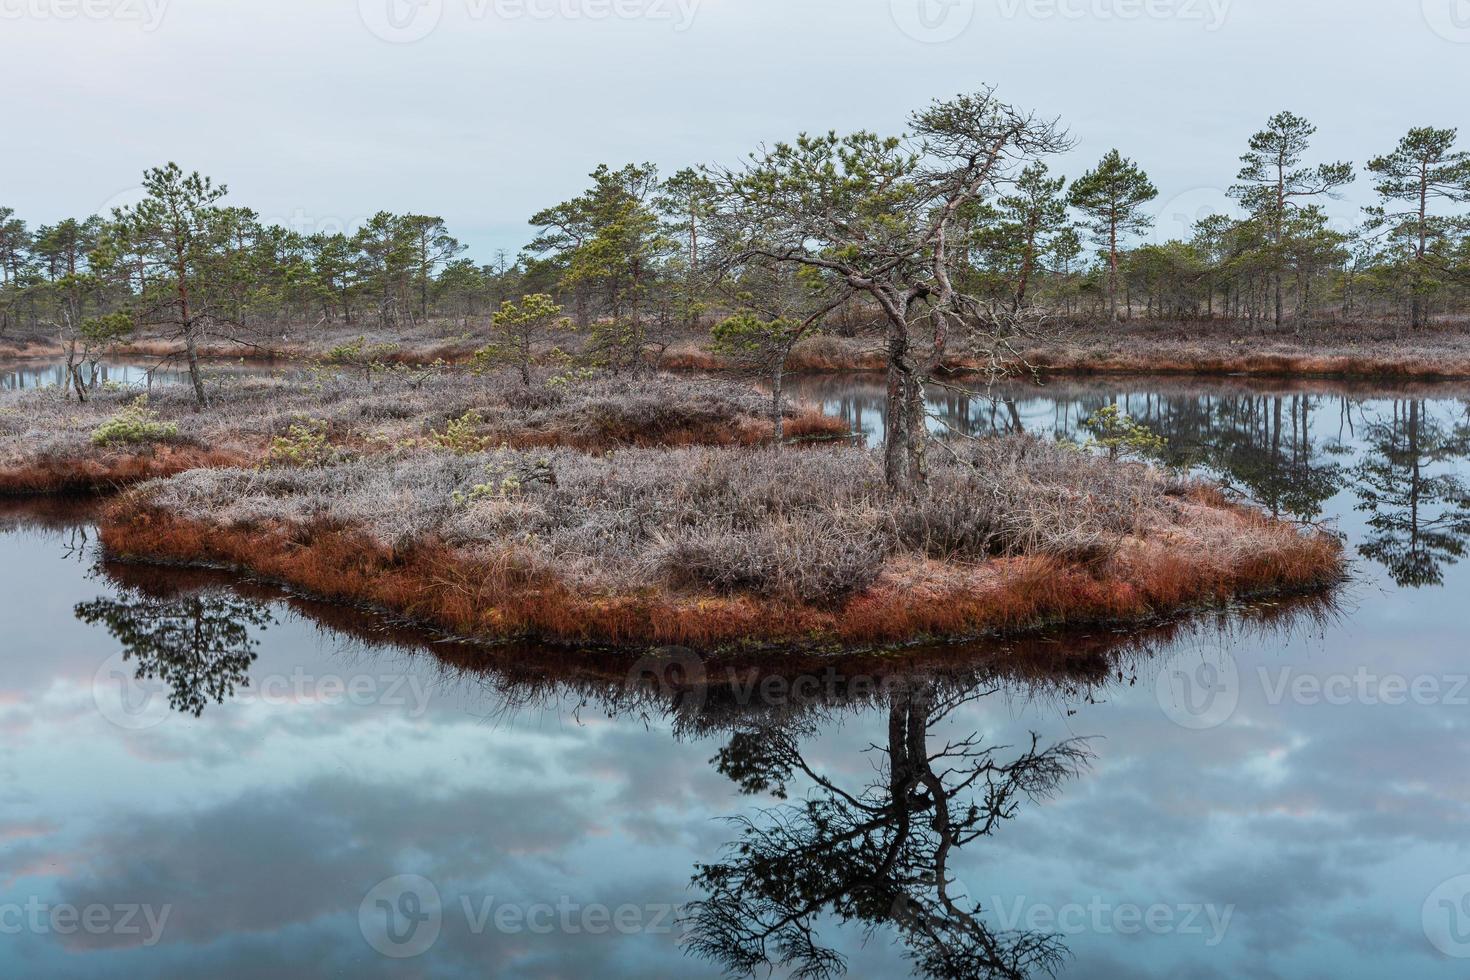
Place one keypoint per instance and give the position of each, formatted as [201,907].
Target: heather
[49,442]
[710,546]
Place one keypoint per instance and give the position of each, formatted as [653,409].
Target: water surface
[230,781]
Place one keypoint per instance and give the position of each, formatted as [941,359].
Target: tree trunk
[191,351]
[1113,270]
[778,417]
[191,343]
[895,447]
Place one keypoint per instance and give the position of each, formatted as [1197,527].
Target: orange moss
[109,469]
[812,424]
[507,593]
[1306,364]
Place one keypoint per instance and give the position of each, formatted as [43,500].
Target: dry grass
[1207,347]
[1336,350]
[46,442]
[714,548]
[1366,350]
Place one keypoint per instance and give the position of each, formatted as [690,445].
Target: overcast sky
[318,113]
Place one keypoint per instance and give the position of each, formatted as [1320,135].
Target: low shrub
[135,424]
[305,444]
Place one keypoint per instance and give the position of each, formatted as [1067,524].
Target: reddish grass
[507,593]
[1163,347]
[809,424]
[813,425]
[1306,364]
[111,468]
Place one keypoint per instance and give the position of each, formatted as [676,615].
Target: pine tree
[1273,182]
[1111,195]
[1423,169]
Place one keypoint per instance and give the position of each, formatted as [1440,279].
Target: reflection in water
[833,841]
[857,804]
[201,645]
[879,855]
[20,376]
[47,374]
[1419,519]
[1289,453]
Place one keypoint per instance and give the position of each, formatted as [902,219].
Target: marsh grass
[47,443]
[714,547]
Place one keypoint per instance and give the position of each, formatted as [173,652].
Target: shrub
[462,435]
[304,445]
[1120,436]
[135,424]
[509,479]
[370,358]
[819,561]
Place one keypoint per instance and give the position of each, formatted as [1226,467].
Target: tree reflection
[877,856]
[1419,520]
[200,645]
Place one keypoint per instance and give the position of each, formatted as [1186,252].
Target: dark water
[200,777]
[42,373]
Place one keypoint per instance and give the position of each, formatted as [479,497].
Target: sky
[318,113]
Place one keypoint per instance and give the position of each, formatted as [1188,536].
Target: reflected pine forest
[311,790]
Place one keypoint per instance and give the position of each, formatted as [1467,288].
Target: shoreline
[1098,353]
[1191,551]
[1314,592]
[645,512]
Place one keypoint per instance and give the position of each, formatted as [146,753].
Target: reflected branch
[200,645]
[879,856]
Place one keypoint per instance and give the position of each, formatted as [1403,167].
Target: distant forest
[638,246]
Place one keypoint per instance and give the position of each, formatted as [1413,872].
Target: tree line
[955,236]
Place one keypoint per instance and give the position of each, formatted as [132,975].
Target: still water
[201,777]
[43,373]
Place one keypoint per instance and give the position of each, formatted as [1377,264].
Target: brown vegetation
[711,548]
[46,442]
[1171,347]
[1364,349]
